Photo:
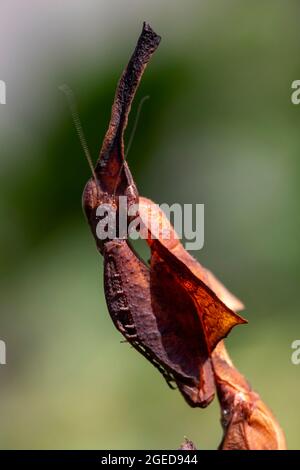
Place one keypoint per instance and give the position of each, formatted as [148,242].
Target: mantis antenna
[78,126]
[68,92]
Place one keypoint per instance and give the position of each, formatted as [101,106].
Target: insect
[174,312]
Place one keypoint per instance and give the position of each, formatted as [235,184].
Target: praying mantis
[173,311]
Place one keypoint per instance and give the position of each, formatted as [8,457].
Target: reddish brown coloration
[168,313]
[126,279]
[111,168]
[162,230]
[175,313]
[247,422]
[202,319]
[176,340]
[113,175]
[191,309]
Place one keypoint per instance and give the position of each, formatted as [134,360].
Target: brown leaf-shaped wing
[216,318]
[159,227]
[185,307]
[182,332]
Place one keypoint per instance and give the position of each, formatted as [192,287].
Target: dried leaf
[160,228]
[180,297]
[182,333]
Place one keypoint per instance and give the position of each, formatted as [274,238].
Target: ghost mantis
[174,311]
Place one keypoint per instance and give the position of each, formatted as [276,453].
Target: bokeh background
[219,129]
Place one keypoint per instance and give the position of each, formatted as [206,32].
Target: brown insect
[174,312]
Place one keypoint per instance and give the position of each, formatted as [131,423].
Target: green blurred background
[219,129]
